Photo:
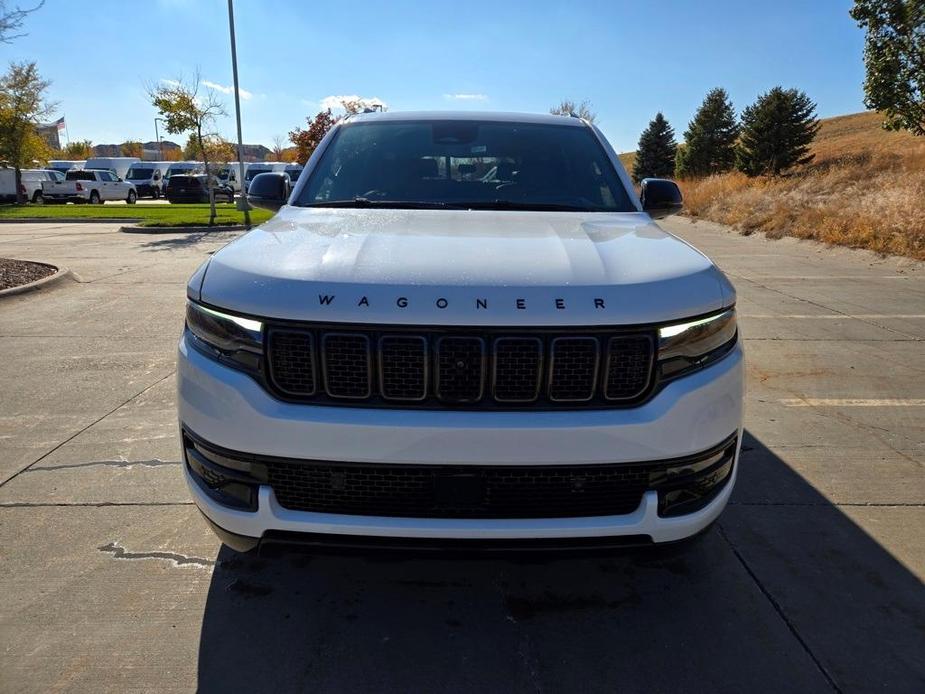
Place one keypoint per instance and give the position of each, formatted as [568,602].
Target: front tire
[132,197]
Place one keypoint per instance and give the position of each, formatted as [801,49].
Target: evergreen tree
[656,154]
[776,132]
[710,138]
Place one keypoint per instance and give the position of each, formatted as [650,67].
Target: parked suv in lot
[462,328]
[193,188]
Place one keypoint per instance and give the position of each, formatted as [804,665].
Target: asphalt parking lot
[812,580]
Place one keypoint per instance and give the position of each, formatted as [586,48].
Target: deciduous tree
[710,138]
[306,141]
[279,146]
[185,107]
[655,157]
[80,149]
[894,56]
[131,148]
[567,107]
[777,131]
[23,106]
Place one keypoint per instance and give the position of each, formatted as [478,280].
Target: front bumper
[229,409]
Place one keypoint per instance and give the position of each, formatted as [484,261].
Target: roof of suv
[495,116]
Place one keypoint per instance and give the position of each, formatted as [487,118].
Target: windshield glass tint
[139,173]
[251,172]
[468,163]
[293,174]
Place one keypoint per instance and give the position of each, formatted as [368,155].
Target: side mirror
[268,190]
[660,197]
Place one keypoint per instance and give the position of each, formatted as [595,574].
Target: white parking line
[853,402]
[833,316]
[822,277]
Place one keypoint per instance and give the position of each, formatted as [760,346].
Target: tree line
[773,135]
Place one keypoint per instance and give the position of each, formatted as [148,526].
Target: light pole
[242,203]
[160,145]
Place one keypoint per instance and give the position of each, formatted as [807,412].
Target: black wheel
[38,198]
[94,198]
[132,197]
[155,193]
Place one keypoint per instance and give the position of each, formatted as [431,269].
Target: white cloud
[466,97]
[169,83]
[228,90]
[336,103]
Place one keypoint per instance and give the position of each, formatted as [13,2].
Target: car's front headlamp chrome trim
[224,336]
[691,345]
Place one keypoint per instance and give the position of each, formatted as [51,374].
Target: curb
[179,230]
[70,220]
[37,284]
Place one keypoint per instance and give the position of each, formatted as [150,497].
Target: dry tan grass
[865,189]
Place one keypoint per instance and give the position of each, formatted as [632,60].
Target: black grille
[472,368]
[403,367]
[420,491]
[460,369]
[346,365]
[574,369]
[518,369]
[293,363]
[629,360]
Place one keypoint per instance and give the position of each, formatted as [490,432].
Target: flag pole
[67,133]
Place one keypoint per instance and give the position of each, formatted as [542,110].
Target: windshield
[467,164]
[293,174]
[139,173]
[253,171]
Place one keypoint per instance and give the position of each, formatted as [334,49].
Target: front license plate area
[459,491]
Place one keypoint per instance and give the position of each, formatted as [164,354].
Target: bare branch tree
[11,20]
[567,107]
[279,144]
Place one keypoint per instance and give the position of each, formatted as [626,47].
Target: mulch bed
[16,272]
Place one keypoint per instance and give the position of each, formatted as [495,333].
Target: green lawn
[150,215]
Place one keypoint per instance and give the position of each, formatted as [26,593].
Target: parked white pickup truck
[89,185]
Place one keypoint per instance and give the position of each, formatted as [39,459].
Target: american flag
[59,124]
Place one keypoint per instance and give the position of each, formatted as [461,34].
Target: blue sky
[629,58]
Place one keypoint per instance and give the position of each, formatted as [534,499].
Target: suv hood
[462,267]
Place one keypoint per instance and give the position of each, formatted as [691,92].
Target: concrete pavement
[811,582]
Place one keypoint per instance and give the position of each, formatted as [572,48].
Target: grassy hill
[865,189]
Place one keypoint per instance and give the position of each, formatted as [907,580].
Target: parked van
[65,165]
[259,167]
[7,184]
[294,171]
[118,165]
[229,174]
[148,177]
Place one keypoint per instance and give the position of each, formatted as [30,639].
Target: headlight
[226,337]
[685,347]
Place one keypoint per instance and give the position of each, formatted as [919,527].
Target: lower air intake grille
[419,491]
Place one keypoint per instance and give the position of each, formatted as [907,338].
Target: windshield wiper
[391,204]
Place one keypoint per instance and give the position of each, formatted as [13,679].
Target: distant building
[49,133]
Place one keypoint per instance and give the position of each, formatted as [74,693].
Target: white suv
[461,329]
